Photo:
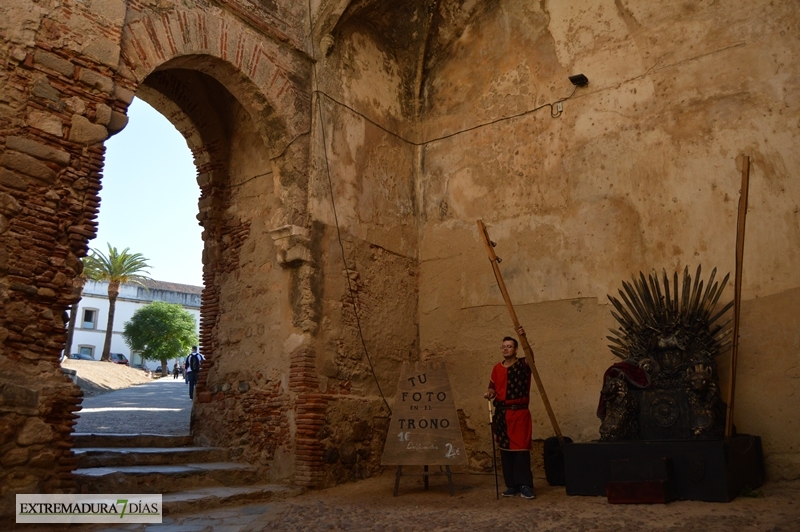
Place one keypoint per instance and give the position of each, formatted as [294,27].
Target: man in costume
[510,388]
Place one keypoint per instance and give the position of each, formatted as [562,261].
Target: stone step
[209,498]
[131,456]
[83,439]
[164,478]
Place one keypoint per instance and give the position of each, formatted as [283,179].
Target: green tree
[116,268]
[161,331]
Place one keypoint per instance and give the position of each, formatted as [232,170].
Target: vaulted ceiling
[417,33]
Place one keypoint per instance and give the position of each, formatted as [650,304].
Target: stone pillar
[59,105]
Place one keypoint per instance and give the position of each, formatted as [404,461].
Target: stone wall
[59,103]
[641,170]
[70,71]
[342,165]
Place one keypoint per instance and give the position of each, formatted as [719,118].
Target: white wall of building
[131,298]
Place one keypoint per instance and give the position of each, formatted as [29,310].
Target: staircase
[190,479]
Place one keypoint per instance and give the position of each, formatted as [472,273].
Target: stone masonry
[344,150]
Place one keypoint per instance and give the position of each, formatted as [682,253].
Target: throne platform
[662,435]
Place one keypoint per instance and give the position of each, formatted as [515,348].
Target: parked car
[119,358]
[81,356]
[142,367]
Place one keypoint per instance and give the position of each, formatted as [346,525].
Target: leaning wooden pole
[522,339]
[737,294]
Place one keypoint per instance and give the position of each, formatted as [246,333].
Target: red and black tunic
[512,419]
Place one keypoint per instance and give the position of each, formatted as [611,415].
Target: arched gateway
[240,95]
[416,118]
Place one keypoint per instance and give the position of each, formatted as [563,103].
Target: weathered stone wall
[369,306]
[58,104]
[416,118]
[241,99]
[235,90]
[640,171]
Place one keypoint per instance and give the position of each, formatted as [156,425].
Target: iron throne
[666,386]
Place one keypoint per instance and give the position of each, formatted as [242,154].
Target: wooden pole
[522,339]
[494,453]
[737,295]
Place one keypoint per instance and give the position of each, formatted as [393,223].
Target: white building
[92,321]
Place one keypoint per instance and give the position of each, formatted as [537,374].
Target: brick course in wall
[309,419]
[50,172]
[60,100]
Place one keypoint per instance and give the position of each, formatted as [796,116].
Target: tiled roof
[172,287]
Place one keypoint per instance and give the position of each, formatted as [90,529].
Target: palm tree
[116,268]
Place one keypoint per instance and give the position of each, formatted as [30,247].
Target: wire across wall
[555,112]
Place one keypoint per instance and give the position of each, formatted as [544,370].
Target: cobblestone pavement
[163,407]
[158,407]
[369,505]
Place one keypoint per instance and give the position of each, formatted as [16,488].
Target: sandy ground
[369,505]
[96,377]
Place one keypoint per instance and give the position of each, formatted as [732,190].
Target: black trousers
[192,376]
[517,468]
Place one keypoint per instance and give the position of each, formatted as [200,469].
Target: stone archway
[239,96]
[244,287]
[239,100]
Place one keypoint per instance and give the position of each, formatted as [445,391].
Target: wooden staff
[522,339]
[737,292]
[494,453]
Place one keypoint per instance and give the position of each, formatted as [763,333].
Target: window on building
[89,318]
[86,350]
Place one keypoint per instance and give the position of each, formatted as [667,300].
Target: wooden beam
[522,339]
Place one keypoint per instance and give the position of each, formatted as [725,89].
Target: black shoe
[526,493]
[510,492]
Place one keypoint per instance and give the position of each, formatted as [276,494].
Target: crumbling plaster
[641,171]
[394,126]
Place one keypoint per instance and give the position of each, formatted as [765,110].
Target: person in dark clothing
[192,368]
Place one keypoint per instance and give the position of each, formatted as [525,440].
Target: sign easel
[424,430]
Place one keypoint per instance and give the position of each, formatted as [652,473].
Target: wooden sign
[424,428]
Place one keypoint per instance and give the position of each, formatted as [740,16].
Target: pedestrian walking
[192,366]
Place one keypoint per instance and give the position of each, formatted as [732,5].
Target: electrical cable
[250,179]
[318,92]
[336,218]
[289,144]
[555,114]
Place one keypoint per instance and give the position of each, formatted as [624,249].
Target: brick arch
[202,110]
[199,94]
[67,101]
[262,74]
